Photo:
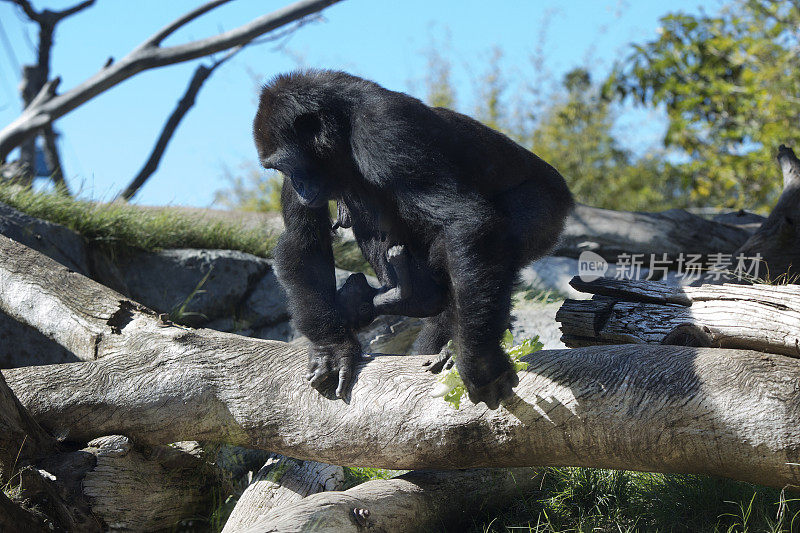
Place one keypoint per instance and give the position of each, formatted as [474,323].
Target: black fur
[468,206]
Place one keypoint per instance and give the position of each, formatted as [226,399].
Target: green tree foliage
[730,87]
[438,85]
[250,190]
[573,131]
[575,134]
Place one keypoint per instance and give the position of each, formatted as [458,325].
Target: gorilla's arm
[304,265]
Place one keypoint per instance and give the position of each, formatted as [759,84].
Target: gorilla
[445,209]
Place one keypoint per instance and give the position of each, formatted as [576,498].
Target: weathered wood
[778,238]
[732,413]
[134,491]
[611,233]
[55,500]
[21,438]
[282,481]
[759,317]
[633,290]
[416,501]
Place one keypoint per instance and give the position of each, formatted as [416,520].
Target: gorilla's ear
[307,126]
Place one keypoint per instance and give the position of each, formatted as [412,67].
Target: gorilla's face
[293,151]
[307,179]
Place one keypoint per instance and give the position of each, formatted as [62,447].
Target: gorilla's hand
[333,360]
[491,380]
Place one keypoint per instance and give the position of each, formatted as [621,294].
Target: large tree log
[733,413]
[611,233]
[766,317]
[417,501]
[778,238]
[282,481]
[21,438]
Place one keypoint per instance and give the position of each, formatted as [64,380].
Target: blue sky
[106,141]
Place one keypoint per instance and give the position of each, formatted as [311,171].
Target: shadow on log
[733,413]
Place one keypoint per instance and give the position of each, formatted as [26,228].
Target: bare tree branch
[144,57]
[46,16]
[27,8]
[201,74]
[34,78]
[59,15]
[169,29]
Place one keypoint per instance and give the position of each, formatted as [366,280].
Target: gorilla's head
[298,132]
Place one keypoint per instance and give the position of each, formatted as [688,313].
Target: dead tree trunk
[611,233]
[765,317]
[417,501]
[732,413]
[778,239]
[34,77]
[282,481]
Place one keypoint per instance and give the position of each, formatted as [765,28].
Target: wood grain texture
[734,413]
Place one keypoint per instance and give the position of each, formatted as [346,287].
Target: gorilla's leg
[436,332]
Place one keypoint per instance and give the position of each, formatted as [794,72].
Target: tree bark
[778,238]
[47,107]
[767,317]
[732,413]
[282,481]
[611,233]
[417,501]
[21,438]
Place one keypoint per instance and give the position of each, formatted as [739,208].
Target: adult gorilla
[460,207]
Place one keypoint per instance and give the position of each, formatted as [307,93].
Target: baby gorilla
[409,293]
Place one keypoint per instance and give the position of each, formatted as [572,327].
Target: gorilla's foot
[443,361]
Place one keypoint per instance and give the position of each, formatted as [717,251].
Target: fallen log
[610,233]
[765,317]
[732,413]
[21,438]
[416,501]
[282,481]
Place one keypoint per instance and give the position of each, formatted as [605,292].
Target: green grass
[120,228]
[357,475]
[588,500]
